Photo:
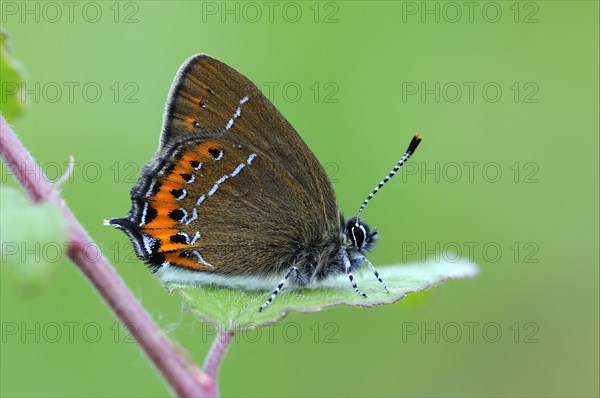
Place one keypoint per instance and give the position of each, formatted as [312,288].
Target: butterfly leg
[376,273]
[348,267]
[292,269]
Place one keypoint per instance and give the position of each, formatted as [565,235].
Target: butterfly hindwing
[209,206]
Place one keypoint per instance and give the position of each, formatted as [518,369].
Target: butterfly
[234,197]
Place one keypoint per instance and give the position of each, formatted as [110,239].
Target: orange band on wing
[175,258]
[205,147]
[162,219]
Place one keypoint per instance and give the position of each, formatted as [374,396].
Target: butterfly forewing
[208,95]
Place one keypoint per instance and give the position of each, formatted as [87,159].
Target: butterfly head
[359,235]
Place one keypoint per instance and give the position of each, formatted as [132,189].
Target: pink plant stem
[183,376]
[215,354]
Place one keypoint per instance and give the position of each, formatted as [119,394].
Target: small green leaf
[32,238]
[11,80]
[232,309]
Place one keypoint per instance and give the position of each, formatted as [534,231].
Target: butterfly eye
[358,236]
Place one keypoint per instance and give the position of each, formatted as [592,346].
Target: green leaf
[11,80]
[32,238]
[232,309]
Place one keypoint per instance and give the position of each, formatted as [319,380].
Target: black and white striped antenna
[412,147]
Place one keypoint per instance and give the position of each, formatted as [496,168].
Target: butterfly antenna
[412,147]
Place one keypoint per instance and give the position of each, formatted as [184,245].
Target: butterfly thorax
[324,257]
[318,258]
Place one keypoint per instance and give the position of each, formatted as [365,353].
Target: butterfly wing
[232,189]
[208,95]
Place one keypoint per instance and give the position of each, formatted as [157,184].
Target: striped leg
[292,269]
[350,276]
[376,274]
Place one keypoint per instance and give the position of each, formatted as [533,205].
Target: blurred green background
[506,95]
